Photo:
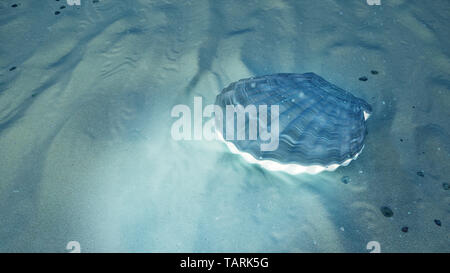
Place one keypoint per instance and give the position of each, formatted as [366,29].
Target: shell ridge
[301,113]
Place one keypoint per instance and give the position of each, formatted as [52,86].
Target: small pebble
[405,229]
[14,5]
[421,173]
[95,1]
[438,222]
[62,7]
[363,79]
[386,211]
[374,72]
[57,12]
[345,179]
[446,186]
[401,139]
[12,68]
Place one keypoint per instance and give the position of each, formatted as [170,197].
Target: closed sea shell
[321,126]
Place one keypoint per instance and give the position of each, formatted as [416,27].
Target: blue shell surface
[319,123]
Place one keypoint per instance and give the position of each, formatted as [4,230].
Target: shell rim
[289,168]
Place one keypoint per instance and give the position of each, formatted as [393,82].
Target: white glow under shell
[291,168]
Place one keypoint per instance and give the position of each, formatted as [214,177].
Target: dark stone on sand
[57,12]
[446,186]
[374,72]
[401,139]
[14,5]
[363,79]
[438,222]
[346,179]
[12,68]
[405,229]
[62,7]
[95,1]
[386,211]
[421,173]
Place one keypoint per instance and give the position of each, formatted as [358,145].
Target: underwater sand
[85,147]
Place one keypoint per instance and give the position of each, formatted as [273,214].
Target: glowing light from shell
[291,168]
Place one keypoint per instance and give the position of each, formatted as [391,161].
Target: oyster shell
[321,126]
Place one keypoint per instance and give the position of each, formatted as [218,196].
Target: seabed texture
[85,147]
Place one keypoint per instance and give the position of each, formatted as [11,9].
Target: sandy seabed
[85,147]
